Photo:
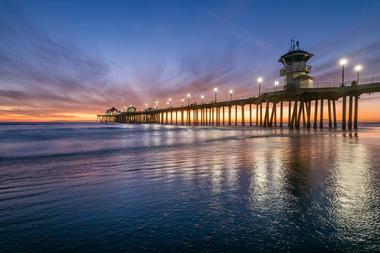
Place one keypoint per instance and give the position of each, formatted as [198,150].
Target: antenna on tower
[292,43]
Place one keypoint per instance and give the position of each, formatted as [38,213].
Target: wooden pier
[299,95]
[268,108]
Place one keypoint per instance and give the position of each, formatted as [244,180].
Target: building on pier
[296,71]
[112,111]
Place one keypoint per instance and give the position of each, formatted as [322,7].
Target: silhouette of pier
[268,108]
[299,96]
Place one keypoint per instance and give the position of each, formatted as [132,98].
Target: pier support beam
[315,124]
[281,116]
[250,114]
[294,115]
[356,112]
[290,113]
[298,118]
[329,109]
[350,113]
[334,114]
[223,114]
[242,116]
[266,118]
[308,112]
[321,116]
[236,115]
[257,114]
[344,113]
[229,115]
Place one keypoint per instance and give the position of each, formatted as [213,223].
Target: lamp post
[343,62]
[358,68]
[170,102]
[231,92]
[156,104]
[215,92]
[188,99]
[202,98]
[260,80]
[182,101]
[275,85]
[146,105]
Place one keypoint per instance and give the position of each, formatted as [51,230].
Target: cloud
[45,73]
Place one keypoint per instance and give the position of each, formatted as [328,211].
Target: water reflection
[233,189]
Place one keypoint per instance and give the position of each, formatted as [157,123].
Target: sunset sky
[69,60]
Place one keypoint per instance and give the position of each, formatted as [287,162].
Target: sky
[70,60]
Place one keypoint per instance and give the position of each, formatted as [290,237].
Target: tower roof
[295,55]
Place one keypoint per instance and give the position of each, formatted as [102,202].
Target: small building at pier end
[296,71]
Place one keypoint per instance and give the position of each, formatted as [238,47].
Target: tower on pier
[295,71]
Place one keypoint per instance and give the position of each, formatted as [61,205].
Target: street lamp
[182,100]
[231,92]
[188,99]
[170,101]
[260,80]
[358,68]
[215,91]
[156,104]
[146,106]
[343,62]
[276,83]
[202,98]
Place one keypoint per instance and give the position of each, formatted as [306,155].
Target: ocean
[87,187]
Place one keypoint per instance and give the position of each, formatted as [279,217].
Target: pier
[299,96]
[268,108]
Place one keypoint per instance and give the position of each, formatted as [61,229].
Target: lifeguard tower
[295,71]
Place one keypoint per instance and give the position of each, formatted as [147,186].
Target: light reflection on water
[165,188]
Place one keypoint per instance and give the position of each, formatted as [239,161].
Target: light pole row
[343,62]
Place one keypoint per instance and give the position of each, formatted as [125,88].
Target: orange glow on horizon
[368,112]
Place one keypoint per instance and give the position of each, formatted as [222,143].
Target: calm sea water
[149,188]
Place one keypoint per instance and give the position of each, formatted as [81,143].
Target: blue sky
[89,55]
